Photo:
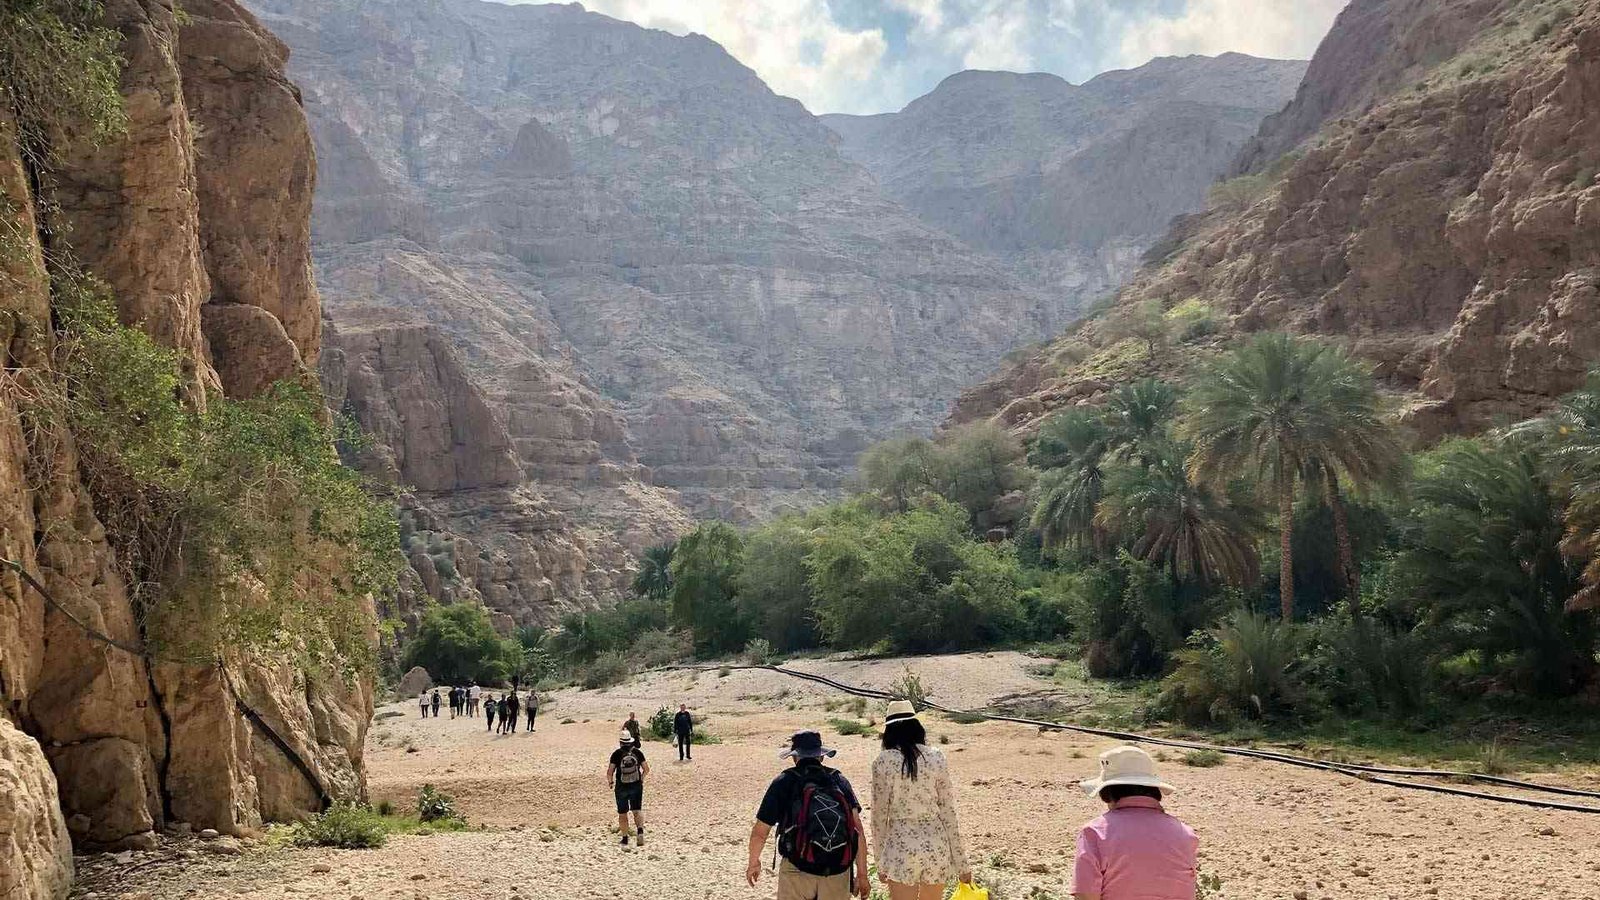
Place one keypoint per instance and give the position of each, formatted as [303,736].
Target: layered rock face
[198,218]
[1069,184]
[1445,229]
[660,274]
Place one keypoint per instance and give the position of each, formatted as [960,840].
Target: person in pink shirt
[1137,850]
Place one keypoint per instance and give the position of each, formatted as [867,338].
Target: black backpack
[820,833]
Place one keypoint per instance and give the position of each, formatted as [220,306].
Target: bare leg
[898,891]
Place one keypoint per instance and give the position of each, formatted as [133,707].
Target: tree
[654,578]
[1145,321]
[457,643]
[1482,544]
[976,465]
[705,581]
[1071,448]
[1187,528]
[1137,418]
[774,590]
[899,469]
[1569,437]
[1276,408]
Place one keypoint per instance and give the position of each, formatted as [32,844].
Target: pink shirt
[1136,852]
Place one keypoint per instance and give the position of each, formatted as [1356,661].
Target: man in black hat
[818,819]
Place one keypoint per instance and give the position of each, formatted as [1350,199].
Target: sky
[868,56]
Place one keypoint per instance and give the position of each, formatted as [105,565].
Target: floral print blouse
[914,827]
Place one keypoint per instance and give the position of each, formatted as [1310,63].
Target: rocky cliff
[1069,184]
[1439,217]
[668,282]
[197,216]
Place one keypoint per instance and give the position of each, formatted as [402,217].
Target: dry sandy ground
[1267,831]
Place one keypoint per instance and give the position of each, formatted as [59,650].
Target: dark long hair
[907,736]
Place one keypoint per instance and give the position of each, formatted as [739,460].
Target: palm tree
[1278,407]
[1137,416]
[1569,436]
[654,579]
[1071,447]
[1188,528]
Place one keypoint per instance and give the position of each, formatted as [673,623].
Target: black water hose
[1389,776]
[144,654]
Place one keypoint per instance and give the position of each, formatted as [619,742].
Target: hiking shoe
[639,839]
[624,839]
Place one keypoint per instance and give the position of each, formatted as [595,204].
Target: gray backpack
[630,770]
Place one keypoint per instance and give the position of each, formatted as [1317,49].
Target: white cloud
[796,46]
[1271,28]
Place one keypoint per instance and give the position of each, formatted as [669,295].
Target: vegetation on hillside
[1258,544]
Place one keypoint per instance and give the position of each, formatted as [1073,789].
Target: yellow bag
[966,891]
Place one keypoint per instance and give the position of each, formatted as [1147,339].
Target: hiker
[625,773]
[435,703]
[422,701]
[455,701]
[1137,849]
[510,712]
[531,707]
[632,726]
[683,729]
[489,709]
[472,699]
[819,828]
[914,835]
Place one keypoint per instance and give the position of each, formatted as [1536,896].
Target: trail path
[1267,831]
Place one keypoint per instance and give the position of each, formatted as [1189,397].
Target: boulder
[35,849]
[414,682]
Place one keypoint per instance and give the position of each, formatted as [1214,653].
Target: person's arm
[882,790]
[644,766]
[946,794]
[1088,875]
[611,774]
[758,840]
[863,880]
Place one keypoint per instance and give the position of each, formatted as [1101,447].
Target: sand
[1267,831]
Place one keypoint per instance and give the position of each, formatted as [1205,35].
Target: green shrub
[607,670]
[656,648]
[434,805]
[343,825]
[909,686]
[851,727]
[661,723]
[1248,666]
[759,652]
[1203,759]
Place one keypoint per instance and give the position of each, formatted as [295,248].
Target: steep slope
[1445,230]
[1069,184]
[198,217]
[641,256]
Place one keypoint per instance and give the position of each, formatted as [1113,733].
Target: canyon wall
[1439,218]
[1069,184]
[197,217]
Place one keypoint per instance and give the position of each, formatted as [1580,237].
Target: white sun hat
[1126,765]
[899,710]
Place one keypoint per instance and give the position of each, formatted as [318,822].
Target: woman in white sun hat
[914,832]
[1137,850]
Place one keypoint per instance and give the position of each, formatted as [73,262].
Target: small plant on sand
[1207,886]
[1203,759]
[999,860]
[385,807]
[1494,759]
[344,825]
[661,723]
[724,672]
[433,805]
[909,686]
[965,717]
[851,727]
[759,652]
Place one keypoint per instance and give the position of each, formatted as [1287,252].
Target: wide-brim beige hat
[899,711]
[1125,765]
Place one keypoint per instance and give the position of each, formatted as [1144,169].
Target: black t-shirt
[683,723]
[616,763]
[781,793]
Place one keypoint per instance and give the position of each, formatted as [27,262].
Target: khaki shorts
[794,884]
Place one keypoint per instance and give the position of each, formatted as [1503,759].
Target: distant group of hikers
[1135,851]
[466,701]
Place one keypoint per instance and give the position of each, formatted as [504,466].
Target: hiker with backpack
[489,709]
[510,712]
[625,774]
[818,819]
[915,838]
[435,703]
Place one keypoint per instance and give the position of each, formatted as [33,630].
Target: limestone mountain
[667,283]
[1069,184]
[1430,201]
[197,217]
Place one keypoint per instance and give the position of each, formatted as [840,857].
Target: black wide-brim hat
[806,745]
